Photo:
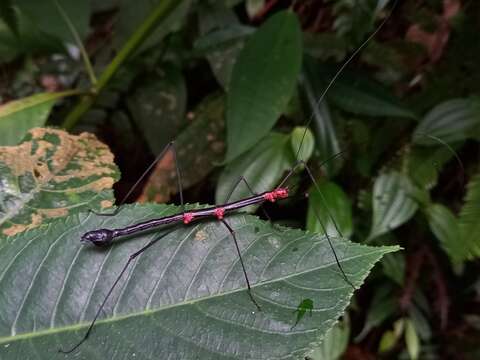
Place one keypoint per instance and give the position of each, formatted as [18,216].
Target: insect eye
[101,237]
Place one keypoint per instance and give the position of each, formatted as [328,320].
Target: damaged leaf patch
[53,174]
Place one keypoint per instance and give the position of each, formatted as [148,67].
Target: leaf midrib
[183,303]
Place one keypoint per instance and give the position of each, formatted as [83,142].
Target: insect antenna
[132,257]
[302,162]
[259,199]
[169,147]
[340,71]
[451,150]
[324,229]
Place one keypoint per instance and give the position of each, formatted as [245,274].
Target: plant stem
[78,41]
[163,8]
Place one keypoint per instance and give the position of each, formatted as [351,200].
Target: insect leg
[237,183]
[170,146]
[249,289]
[109,293]
[317,188]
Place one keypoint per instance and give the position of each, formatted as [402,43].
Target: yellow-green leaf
[19,116]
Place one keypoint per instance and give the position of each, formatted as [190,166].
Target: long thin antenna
[317,103]
[330,215]
[337,74]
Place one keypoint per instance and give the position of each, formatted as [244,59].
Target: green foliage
[356,18]
[358,94]
[451,121]
[469,225]
[133,14]
[159,123]
[334,344]
[392,203]
[382,307]
[222,38]
[412,340]
[262,167]
[329,210]
[199,149]
[38,26]
[190,285]
[17,117]
[242,87]
[8,15]
[445,227]
[303,143]
[327,139]
[48,19]
[263,80]
[424,163]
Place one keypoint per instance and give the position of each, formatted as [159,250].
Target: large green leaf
[468,218]
[49,20]
[263,81]
[450,121]
[393,203]
[222,39]
[262,167]
[444,225]
[184,298]
[8,15]
[425,163]
[19,116]
[326,135]
[333,207]
[28,40]
[53,174]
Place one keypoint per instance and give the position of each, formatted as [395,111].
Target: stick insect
[220,212]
